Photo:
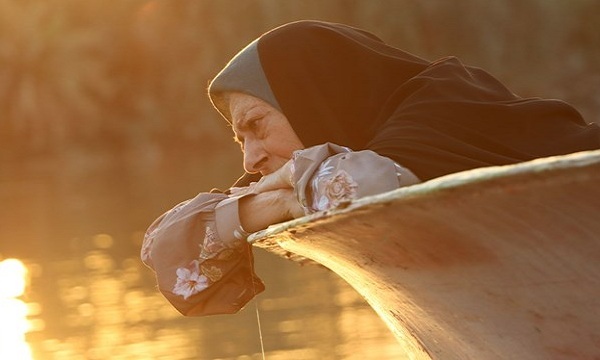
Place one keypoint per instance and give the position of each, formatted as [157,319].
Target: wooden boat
[493,263]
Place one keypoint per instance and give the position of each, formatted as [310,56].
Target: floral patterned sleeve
[202,262]
[324,176]
[198,249]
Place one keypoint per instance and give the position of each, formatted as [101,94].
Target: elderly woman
[326,113]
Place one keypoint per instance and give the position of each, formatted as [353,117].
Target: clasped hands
[273,200]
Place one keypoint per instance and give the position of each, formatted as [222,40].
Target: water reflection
[13,311]
[100,304]
[88,296]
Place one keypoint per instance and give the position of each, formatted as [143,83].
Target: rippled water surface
[72,291]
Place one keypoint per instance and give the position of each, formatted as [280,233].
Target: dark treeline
[123,82]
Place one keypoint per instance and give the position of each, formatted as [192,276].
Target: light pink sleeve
[328,175]
[202,262]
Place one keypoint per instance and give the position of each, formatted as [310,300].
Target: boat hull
[493,263]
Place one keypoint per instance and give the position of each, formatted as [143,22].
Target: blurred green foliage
[131,75]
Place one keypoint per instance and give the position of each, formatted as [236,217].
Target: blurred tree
[120,76]
[52,75]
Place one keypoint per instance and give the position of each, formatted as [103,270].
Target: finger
[238,190]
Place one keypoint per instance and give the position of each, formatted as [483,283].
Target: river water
[72,285]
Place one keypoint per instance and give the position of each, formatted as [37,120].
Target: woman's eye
[253,123]
[256,127]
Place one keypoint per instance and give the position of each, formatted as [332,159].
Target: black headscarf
[339,84]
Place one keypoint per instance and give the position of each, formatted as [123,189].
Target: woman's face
[267,138]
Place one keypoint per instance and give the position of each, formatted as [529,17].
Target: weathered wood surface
[495,263]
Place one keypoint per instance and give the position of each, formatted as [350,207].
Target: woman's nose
[255,156]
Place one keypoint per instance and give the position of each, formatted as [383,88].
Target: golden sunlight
[13,275]
[13,311]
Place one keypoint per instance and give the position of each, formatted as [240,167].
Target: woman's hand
[279,179]
[273,201]
[259,211]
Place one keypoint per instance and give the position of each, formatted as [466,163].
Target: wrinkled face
[267,138]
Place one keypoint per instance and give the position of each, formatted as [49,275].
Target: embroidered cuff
[227,218]
[328,175]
